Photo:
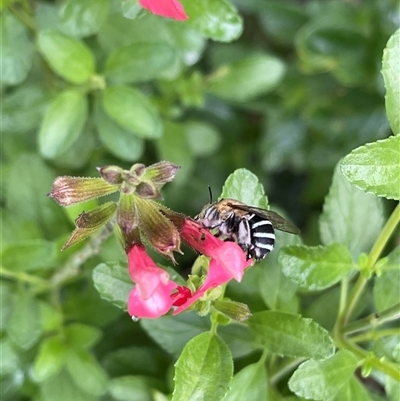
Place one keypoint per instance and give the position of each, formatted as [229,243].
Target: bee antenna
[210,192]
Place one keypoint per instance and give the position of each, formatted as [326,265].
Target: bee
[251,227]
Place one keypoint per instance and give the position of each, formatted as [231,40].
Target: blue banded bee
[251,227]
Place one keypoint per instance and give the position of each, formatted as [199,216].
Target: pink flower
[155,294]
[151,296]
[165,8]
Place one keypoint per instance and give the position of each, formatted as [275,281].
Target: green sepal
[160,173]
[89,222]
[235,310]
[127,217]
[68,191]
[157,228]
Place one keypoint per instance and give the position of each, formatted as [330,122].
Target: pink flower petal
[165,8]
[155,306]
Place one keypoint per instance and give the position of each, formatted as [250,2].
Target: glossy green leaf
[386,290]
[139,62]
[344,216]
[215,19]
[247,78]
[24,325]
[320,380]
[172,333]
[352,390]
[244,186]
[203,139]
[390,72]
[86,372]
[63,123]
[375,167]
[118,31]
[113,283]
[249,384]
[196,368]
[67,56]
[291,335]
[315,267]
[30,255]
[130,388]
[120,142]
[62,388]
[81,335]
[50,359]
[16,50]
[133,111]
[83,18]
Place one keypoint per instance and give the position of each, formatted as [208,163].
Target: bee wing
[277,221]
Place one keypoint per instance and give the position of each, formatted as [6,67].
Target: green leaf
[9,361]
[6,303]
[24,325]
[375,167]
[22,110]
[319,380]
[132,110]
[172,333]
[315,267]
[203,139]
[130,388]
[63,123]
[390,72]
[203,370]
[28,180]
[50,359]
[68,57]
[291,335]
[386,292]
[249,384]
[52,317]
[344,216]
[86,372]
[215,19]
[173,146]
[120,142]
[139,62]
[81,335]
[244,186]
[352,390]
[62,388]
[247,78]
[113,283]
[239,339]
[83,18]
[16,50]
[30,255]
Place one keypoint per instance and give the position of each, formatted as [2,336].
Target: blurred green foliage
[285,89]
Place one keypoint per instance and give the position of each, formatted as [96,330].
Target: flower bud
[68,191]
[111,174]
[89,222]
[234,310]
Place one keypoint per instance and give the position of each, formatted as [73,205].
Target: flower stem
[374,335]
[23,277]
[373,320]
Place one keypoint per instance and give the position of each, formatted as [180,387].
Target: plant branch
[284,369]
[72,266]
[375,334]
[22,276]
[373,320]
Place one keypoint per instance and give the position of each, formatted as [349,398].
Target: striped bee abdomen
[262,236]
